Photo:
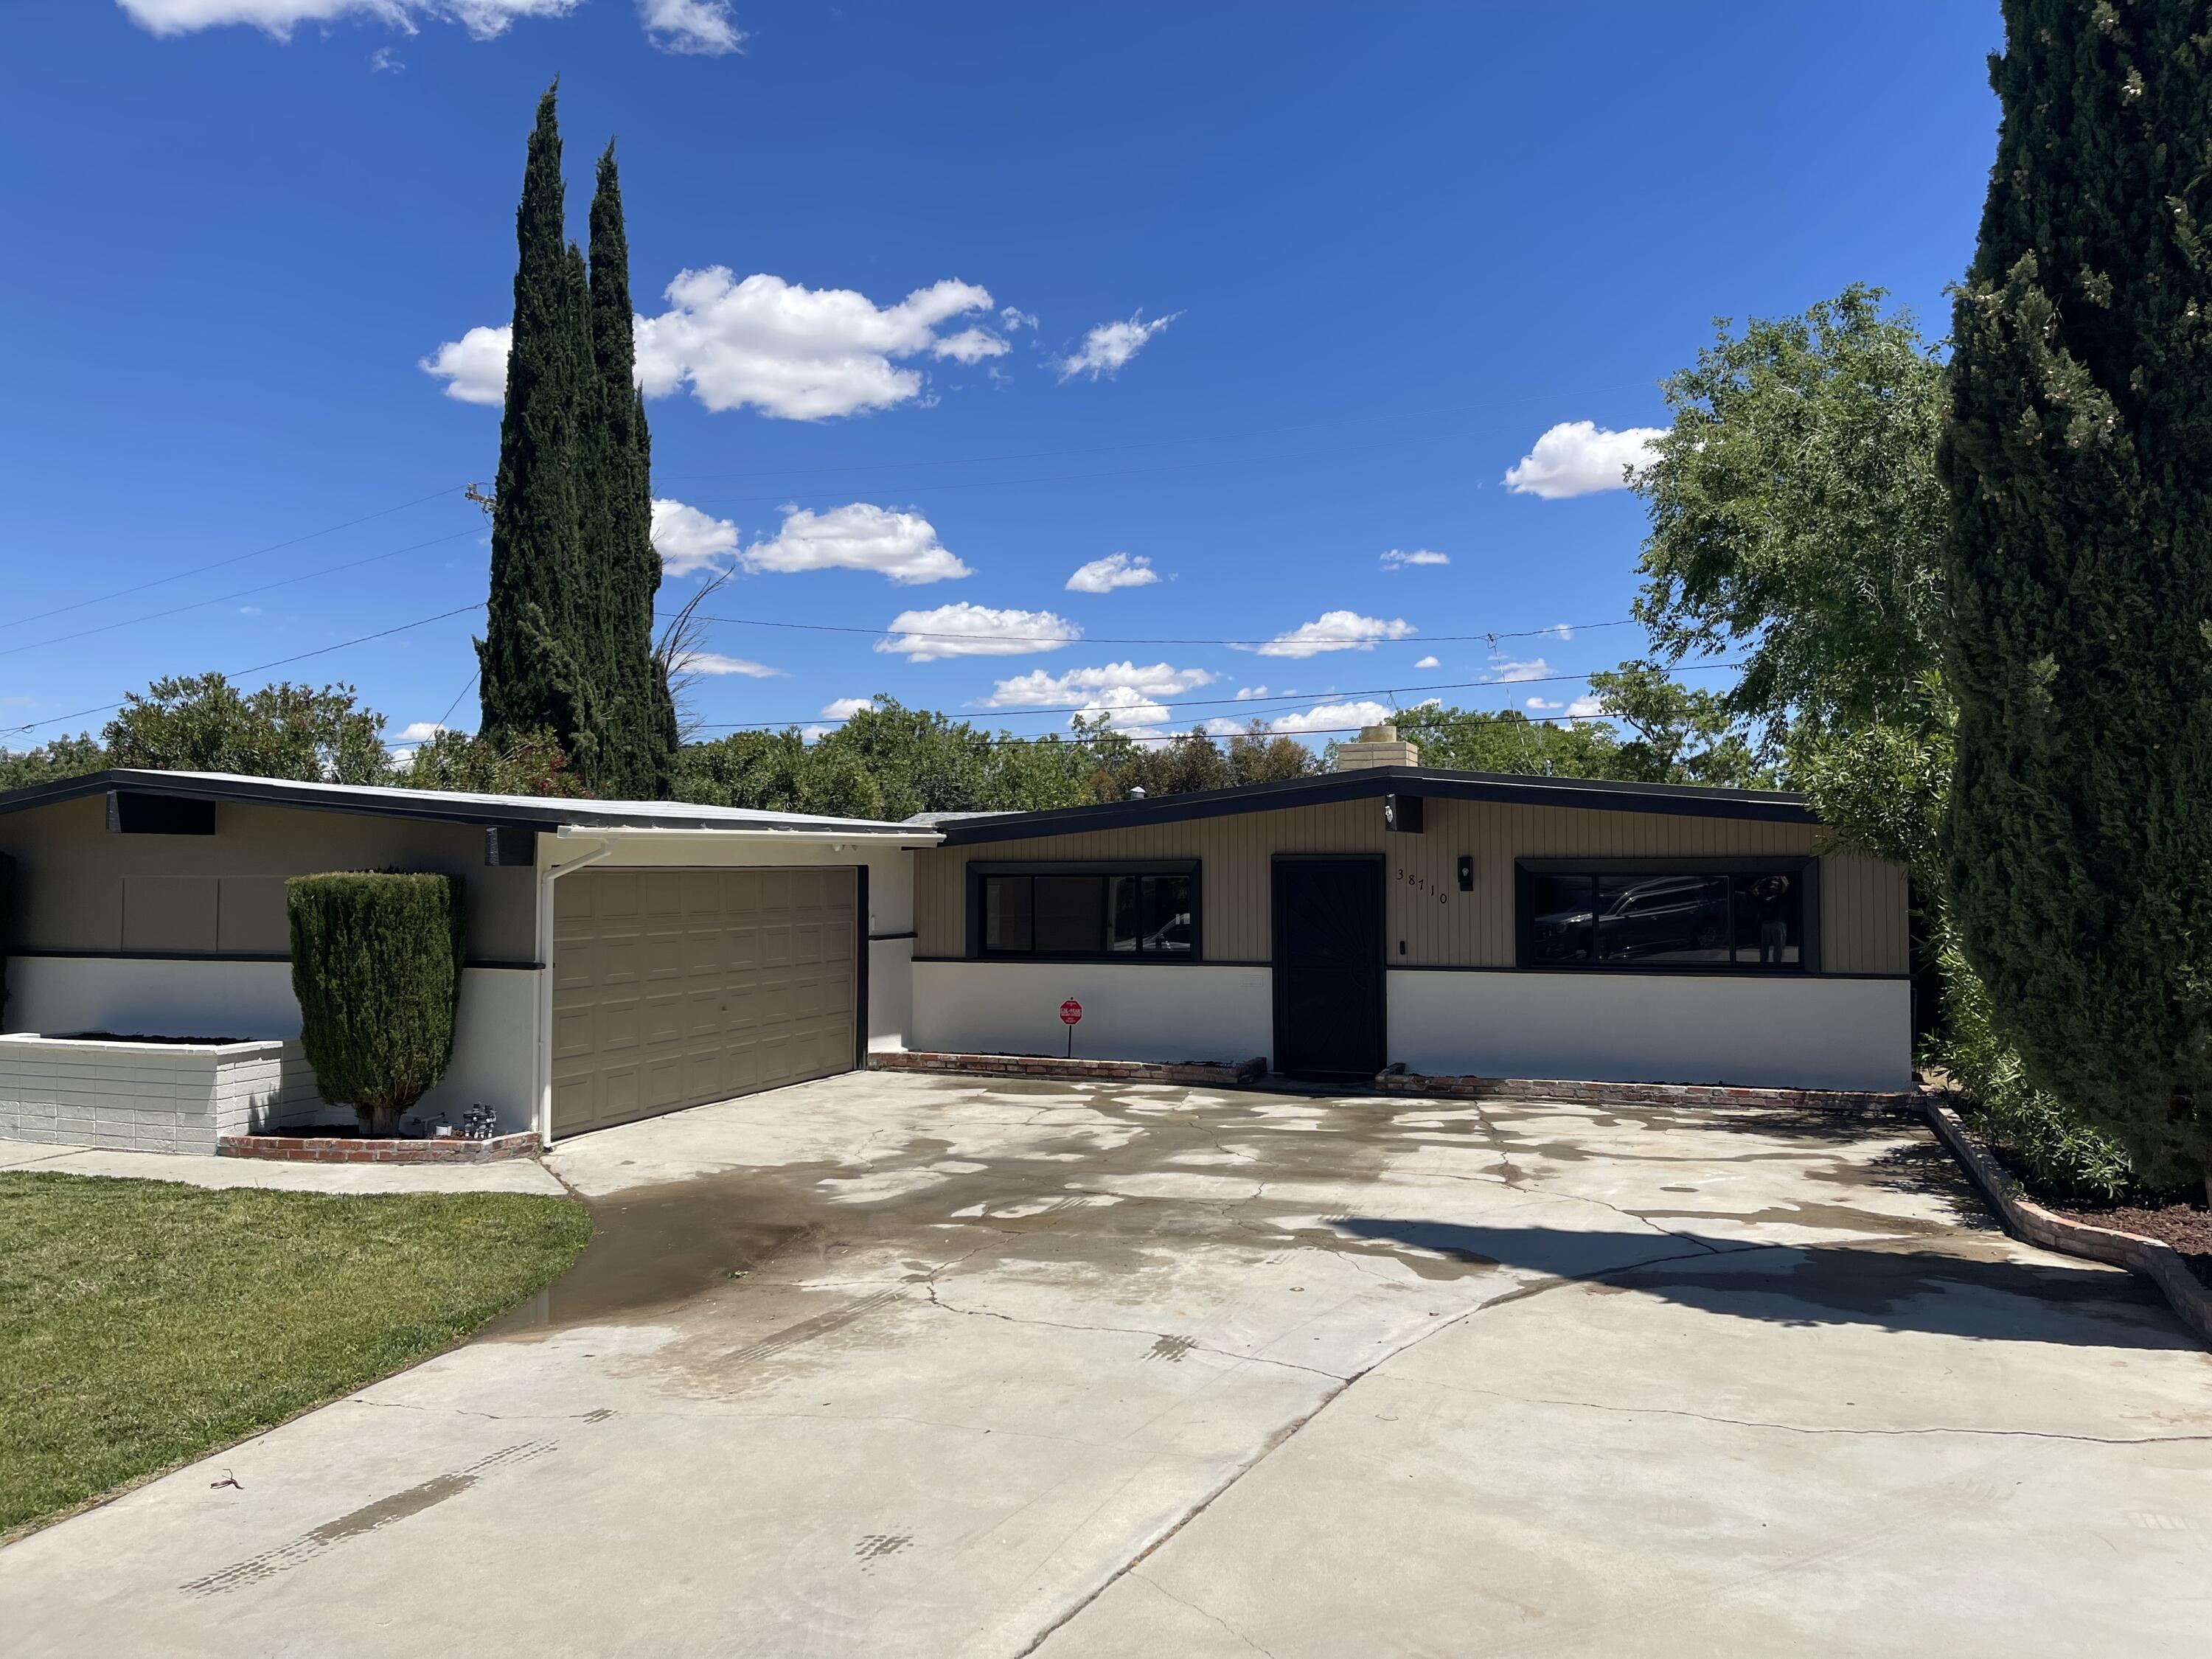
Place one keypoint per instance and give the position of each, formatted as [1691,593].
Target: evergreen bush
[376,966]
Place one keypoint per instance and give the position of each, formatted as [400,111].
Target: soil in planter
[2186,1227]
[147,1036]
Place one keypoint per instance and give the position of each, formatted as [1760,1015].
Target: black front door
[1328,966]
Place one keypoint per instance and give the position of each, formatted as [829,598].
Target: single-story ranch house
[625,959]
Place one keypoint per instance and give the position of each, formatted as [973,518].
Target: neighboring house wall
[187,936]
[1830,1029]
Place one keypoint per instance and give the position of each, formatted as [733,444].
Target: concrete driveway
[932,1365]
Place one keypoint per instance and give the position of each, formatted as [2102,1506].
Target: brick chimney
[1378,745]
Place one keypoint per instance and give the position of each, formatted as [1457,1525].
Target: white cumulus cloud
[1535,669]
[844,707]
[975,630]
[1335,630]
[1395,559]
[714,662]
[1538,703]
[1128,694]
[797,353]
[859,535]
[1114,570]
[688,540]
[474,366]
[1335,717]
[1583,709]
[1581,458]
[1109,346]
[1428,662]
[702,27]
[484,19]
[420,731]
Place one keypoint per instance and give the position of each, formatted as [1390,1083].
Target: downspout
[546,877]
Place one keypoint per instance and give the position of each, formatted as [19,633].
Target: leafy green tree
[1507,740]
[536,666]
[205,724]
[51,763]
[1681,734]
[1796,524]
[2079,645]
[532,764]
[622,571]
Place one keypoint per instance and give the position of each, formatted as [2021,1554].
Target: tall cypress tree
[2077,456]
[618,518]
[532,677]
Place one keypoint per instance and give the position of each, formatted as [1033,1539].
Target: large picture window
[1109,914]
[1735,920]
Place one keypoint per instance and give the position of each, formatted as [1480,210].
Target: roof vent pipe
[1137,793]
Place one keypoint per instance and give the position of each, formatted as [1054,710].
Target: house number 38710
[1417,883]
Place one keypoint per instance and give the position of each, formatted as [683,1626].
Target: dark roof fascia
[273,791]
[432,806]
[1670,799]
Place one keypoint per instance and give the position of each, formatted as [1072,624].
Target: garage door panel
[674,987]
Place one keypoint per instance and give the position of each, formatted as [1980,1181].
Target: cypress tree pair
[569,636]
[2078,457]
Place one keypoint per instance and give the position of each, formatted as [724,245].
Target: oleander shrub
[376,966]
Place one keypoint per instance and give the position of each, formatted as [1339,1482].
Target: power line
[239,594]
[259,667]
[1055,455]
[1318,699]
[1106,639]
[218,564]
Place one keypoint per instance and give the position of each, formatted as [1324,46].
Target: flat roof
[547,813]
[1674,799]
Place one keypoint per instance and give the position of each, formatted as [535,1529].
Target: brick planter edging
[2155,1259]
[1118,1071]
[1640,1094]
[351,1149]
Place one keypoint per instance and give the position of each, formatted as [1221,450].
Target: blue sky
[1250,296]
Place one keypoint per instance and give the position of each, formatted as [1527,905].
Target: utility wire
[235,558]
[235,673]
[1319,699]
[1109,639]
[239,594]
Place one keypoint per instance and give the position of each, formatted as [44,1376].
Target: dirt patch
[2186,1227]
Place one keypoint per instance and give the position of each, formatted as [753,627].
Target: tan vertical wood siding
[1862,917]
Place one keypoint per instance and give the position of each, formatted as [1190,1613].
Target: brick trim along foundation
[354,1149]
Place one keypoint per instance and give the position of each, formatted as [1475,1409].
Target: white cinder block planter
[150,1097]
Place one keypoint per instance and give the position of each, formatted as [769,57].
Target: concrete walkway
[509,1176]
[926,1366]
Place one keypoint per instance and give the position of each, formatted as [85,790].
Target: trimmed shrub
[376,966]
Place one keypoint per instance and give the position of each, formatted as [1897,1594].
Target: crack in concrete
[939,1302]
[1204,1613]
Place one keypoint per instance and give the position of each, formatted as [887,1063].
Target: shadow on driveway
[1812,1284]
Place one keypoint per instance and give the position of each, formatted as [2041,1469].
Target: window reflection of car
[1667,915]
[1563,935]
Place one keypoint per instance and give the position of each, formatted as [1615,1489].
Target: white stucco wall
[492,1048]
[1786,1033]
[890,993]
[1184,1012]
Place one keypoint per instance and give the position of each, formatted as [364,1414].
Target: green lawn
[142,1322]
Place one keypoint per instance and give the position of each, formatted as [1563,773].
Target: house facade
[625,959]
[1457,923]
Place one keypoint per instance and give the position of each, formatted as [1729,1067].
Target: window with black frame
[1730,921]
[1111,915]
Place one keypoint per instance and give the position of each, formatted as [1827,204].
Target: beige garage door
[674,988]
